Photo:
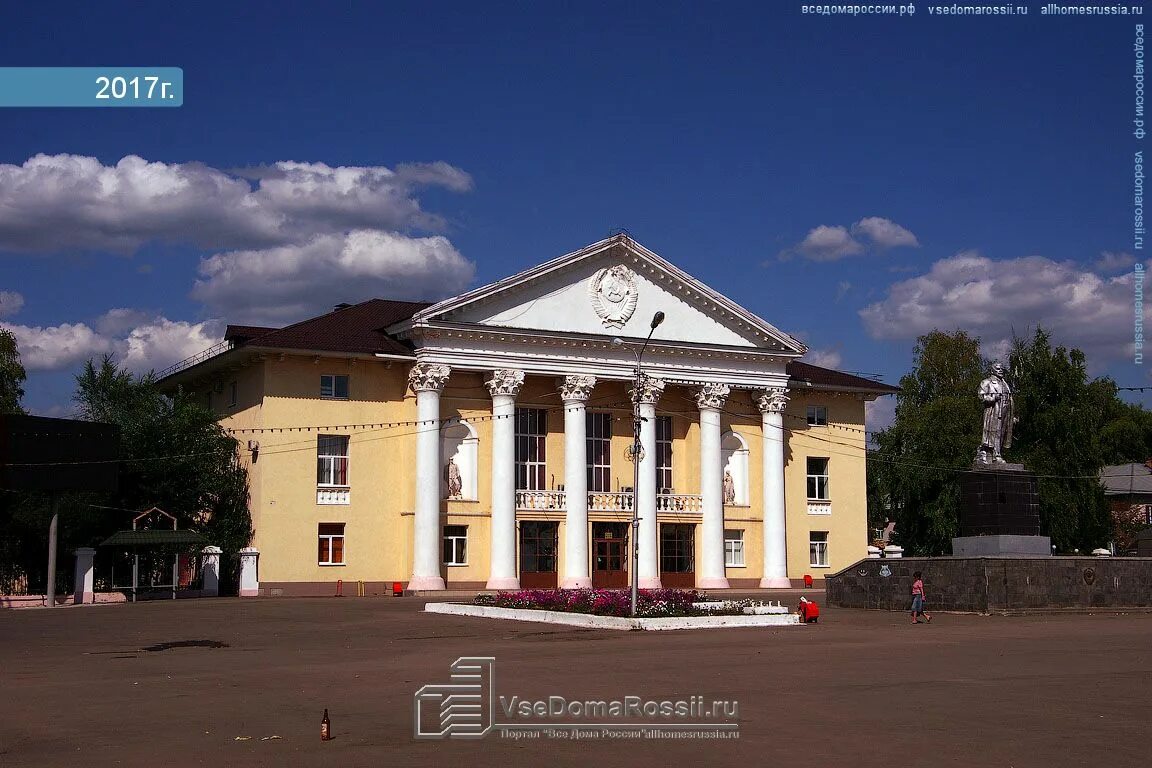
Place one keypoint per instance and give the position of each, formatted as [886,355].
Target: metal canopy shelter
[152,538]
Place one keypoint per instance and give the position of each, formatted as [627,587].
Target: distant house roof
[800,374]
[1126,479]
[152,537]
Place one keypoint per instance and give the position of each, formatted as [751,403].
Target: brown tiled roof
[817,376]
[357,328]
[243,333]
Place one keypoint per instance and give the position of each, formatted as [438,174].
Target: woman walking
[918,599]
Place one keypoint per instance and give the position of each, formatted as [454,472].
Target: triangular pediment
[610,288]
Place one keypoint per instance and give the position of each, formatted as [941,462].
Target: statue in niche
[729,488]
[453,479]
[996,396]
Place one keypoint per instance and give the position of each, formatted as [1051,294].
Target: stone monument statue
[452,477]
[729,488]
[996,396]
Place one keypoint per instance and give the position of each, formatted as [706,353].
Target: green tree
[175,456]
[12,375]
[1063,416]
[917,460]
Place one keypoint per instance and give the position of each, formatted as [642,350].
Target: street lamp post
[636,448]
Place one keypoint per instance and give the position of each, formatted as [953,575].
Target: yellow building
[486,440]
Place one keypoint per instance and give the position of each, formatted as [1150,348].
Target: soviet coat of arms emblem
[613,294]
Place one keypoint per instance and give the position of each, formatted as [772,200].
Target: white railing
[333,496]
[199,357]
[819,507]
[599,501]
[680,502]
[606,501]
[539,499]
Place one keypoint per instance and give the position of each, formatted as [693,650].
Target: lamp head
[657,319]
[617,342]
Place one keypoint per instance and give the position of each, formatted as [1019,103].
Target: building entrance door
[539,541]
[609,555]
[677,555]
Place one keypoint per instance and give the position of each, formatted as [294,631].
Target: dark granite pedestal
[1000,514]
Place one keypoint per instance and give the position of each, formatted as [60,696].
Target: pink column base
[647,582]
[249,593]
[84,597]
[426,584]
[775,582]
[504,582]
[712,582]
[577,582]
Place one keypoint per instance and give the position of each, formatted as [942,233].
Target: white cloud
[61,202]
[993,299]
[831,243]
[1110,261]
[59,346]
[154,343]
[10,303]
[879,413]
[842,289]
[288,283]
[884,233]
[825,358]
[825,243]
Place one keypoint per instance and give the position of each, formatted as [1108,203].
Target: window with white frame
[734,548]
[818,478]
[817,415]
[531,429]
[332,460]
[818,549]
[334,386]
[599,439]
[664,454]
[455,545]
[331,544]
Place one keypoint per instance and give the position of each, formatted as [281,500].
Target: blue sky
[856,181]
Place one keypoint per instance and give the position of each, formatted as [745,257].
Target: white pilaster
[210,571]
[84,589]
[575,392]
[649,534]
[771,405]
[710,399]
[249,576]
[427,380]
[504,386]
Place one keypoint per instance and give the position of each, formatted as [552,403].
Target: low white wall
[613,622]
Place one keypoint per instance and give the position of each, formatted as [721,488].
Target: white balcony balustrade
[620,501]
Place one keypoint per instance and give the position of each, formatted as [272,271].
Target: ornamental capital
[649,390]
[772,400]
[712,396]
[505,381]
[577,387]
[428,377]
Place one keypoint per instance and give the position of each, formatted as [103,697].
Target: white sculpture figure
[452,477]
[996,396]
[729,488]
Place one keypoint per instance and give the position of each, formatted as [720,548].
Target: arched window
[459,447]
[734,459]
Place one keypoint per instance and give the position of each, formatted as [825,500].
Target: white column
[249,577]
[85,593]
[575,392]
[710,399]
[427,380]
[210,571]
[504,386]
[771,405]
[649,534]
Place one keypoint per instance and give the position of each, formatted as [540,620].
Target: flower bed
[650,603]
